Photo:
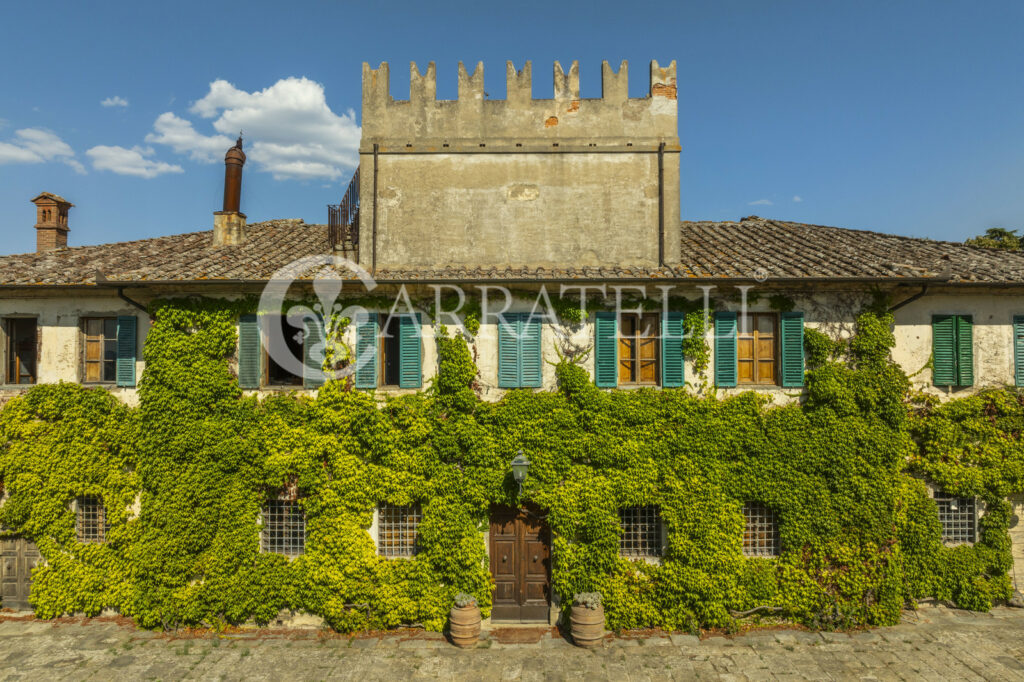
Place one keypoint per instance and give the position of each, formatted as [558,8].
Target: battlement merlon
[475,122]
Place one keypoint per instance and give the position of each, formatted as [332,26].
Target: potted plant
[464,621]
[587,619]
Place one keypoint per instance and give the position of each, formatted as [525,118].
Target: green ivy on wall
[183,477]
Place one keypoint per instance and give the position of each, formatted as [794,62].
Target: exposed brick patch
[663,90]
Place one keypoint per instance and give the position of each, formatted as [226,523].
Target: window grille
[284,528]
[958,516]
[91,520]
[398,529]
[641,532]
[761,534]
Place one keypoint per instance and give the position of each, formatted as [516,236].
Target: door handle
[504,557]
[535,557]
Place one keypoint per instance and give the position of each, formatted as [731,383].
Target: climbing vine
[184,475]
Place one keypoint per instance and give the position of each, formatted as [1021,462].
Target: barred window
[641,532]
[958,516]
[398,529]
[284,528]
[91,519]
[761,534]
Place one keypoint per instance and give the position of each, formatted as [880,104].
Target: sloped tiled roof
[751,248]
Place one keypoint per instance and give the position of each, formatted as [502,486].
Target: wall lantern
[520,465]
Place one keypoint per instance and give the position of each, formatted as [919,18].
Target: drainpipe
[924,290]
[373,267]
[120,295]
[661,204]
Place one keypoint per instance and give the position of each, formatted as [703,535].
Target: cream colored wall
[1017,541]
[993,337]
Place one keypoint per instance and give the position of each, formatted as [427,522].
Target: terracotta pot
[587,626]
[464,626]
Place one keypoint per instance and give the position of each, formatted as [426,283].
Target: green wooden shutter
[943,350]
[314,349]
[366,351]
[410,351]
[673,366]
[508,350]
[606,360]
[792,332]
[1018,349]
[126,344]
[964,350]
[725,350]
[529,352]
[248,352]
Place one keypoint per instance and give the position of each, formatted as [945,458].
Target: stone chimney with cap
[229,223]
[51,222]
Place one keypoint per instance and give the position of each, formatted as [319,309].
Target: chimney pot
[51,222]
[229,224]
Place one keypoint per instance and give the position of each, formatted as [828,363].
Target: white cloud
[289,129]
[797,199]
[36,145]
[129,161]
[115,101]
[179,135]
[761,202]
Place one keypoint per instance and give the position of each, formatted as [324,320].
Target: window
[958,516]
[21,350]
[756,349]
[398,530]
[390,353]
[100,349]
[761,534]
[638,349]
[1018,349]
[90,520]
[284,528]
[281,340]
[519,353]
[641,532]
[953,350]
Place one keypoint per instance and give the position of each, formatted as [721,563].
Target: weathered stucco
[521,181]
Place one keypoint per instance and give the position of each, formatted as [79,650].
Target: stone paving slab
[933,643]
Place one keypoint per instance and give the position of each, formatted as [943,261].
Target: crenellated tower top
[520,121]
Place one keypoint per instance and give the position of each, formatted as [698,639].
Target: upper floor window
[20,349]
[281,340]
[91,519]
[757,349]
[638,348]
[519,351]
[398,529]
[641,532]
[958,517]
[761,530]
[953,350]
[388,351]
[284,528]
[100,349]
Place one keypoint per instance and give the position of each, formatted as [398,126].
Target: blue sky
[894,116]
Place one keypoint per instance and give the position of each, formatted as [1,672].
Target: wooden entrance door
[521,565]
[18,557]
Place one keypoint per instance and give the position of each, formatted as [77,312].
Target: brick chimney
[229,224]
[51,222]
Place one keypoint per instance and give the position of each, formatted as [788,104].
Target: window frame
[760,518]
[755,359]
[276,522]
[94,505]
[951,539]
[388,334]
[621,341]
[647,544]
[85,319]
[388,514]
[9,353]
[298,382]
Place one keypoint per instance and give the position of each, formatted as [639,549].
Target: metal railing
[343,220]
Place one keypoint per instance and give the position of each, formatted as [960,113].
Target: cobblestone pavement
[932,643]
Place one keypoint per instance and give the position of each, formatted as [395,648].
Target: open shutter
[313,350]
[673,368]
[126,344]
[529,352]
[964,350]
[366,351]
[943,350]
[410,352]
[1018,349]
[792,333]
[725,350]
[606,350]
[248,352]
[508,350]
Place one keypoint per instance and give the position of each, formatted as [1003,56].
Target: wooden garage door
[17,559]
[521,565]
